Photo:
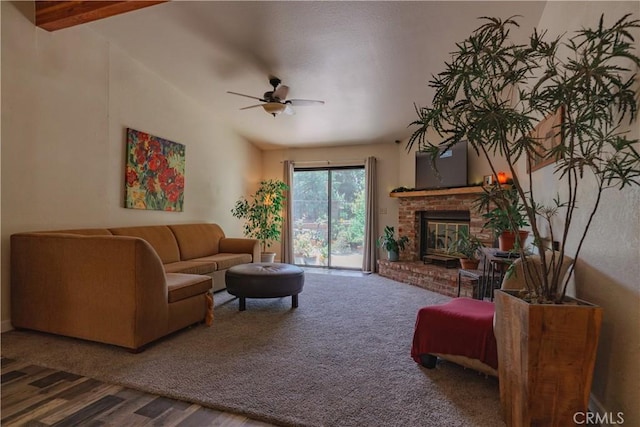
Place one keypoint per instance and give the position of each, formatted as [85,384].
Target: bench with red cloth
[461,327]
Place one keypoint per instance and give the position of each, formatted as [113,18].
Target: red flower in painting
[173,193]
[143,138]
[132,177]
[141,153]
[154,146]
[172,184]
[180,181]
[177,189]
[167,178]
[157,162]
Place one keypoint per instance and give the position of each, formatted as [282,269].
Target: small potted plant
[306,246]
[263,214]
[389,242]
[505,213]
[467,246]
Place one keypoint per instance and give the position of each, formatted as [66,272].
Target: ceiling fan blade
[251,106]
[304,102]
[281,92]
[246,96]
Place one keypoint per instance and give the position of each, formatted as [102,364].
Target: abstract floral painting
[154,176]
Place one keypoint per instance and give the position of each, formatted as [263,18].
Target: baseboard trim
[6,326]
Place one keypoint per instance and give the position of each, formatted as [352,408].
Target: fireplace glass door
[439,229]
[441,235]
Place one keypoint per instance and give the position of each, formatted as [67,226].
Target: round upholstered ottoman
[264,280]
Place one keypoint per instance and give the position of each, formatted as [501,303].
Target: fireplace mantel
[476,189]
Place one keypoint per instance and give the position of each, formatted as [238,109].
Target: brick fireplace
[414,206]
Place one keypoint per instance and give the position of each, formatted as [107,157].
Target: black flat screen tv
[451,168]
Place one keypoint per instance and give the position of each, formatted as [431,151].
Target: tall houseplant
[262,213]
[493,93]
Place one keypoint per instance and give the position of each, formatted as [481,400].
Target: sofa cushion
[224,261]
[183,286]
[197,240]
[191,267]
[159,237]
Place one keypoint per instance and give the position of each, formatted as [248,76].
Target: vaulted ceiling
[369,61]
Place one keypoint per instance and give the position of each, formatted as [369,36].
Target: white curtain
[371,223]
[287,226]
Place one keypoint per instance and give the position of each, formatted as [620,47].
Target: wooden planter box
[546,356]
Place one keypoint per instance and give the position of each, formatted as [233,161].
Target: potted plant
[467,246]
[494,93]
[505,213]
[306,245]
[392,244]
[263,214]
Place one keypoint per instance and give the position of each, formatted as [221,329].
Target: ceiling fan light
[273,108]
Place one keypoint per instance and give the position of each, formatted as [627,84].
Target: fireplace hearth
[454,208]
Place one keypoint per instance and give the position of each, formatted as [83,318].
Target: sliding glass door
[328,212]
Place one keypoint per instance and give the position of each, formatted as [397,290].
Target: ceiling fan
[275,101]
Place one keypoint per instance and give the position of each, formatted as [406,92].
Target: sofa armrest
[235,245]
[110,289]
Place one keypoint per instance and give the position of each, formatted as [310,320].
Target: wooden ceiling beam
[56,15]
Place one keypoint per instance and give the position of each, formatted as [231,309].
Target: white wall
[67,98]
[608,270]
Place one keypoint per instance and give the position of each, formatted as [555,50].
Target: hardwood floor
[38,397]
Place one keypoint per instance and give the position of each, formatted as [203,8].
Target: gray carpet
[341,359]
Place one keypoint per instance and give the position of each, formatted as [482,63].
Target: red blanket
[462,327]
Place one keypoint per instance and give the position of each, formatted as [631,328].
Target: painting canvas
[548,134]
[154,173]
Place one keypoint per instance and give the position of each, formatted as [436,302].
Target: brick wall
[428,276]
[410,269]
[409,218]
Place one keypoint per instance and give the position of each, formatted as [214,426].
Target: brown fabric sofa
[125,286]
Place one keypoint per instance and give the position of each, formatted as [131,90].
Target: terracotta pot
[546,356]
[507,240]
[469,264]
